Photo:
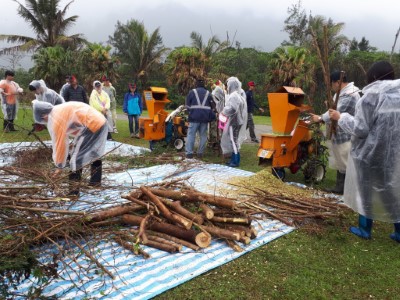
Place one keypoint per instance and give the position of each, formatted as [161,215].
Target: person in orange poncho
[89,129]
[9,91]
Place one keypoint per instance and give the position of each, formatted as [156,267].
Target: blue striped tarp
[139,278]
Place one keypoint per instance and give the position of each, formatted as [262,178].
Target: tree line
[316,46]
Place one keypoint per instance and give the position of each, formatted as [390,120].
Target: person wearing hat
[200,106]
[133,108]
[66,85]
[9,92]
[101,102]
[340,144]
[372,182]
[75,92]
[251,104]
[43,93]
[89,129]
[112,93]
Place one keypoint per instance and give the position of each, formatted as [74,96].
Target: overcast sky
[257,23]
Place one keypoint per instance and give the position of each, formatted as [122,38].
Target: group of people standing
[227,113]
[70,113]
[365,147]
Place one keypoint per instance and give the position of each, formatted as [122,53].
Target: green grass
[327,264]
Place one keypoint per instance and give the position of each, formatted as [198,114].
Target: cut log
[192,196]
[239,229]
[244,221]
[245,240]
[177,207]
[165,211]
[234,246]
[222,233]
[112,212]
[201,239]
[206,211]
[160,246]
[174,239]
[158,239]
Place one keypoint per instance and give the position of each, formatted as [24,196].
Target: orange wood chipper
[160,126]
[294,143]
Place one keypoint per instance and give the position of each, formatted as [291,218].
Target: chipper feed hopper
[292,144]
[160,126]
[153,128]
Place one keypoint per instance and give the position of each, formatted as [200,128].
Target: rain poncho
[219,98]
[76,119]
[235,109]
[46,94]
[101,102]
[9,102]
[372,185]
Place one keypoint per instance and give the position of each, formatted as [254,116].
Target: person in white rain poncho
[43,93]
[89,129]
[235,112]
[372,186]
[218,94]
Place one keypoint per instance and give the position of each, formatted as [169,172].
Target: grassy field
[327,263]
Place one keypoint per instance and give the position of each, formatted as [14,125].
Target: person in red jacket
[86,126]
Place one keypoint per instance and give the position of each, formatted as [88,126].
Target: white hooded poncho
[372,185]
[46,94]
[236,111]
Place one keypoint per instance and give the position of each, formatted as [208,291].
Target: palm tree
[325,41]
[50,65]
[183,66]
[213,45]
[137,50]
[49,24]
[293,66]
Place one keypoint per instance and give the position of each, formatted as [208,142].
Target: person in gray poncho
[372,185]
[43,93]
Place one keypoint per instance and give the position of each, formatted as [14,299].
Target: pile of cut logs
[186,217]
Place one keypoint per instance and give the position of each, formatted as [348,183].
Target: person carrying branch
[372,185]
[89,129]
[340,144]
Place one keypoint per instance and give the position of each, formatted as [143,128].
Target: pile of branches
[293,210]
[166,216]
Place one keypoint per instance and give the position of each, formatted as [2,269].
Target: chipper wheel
[179,144]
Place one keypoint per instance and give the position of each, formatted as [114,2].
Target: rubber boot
[364,228]
[11,125]
[236,160]
[74,182]
[232,160]
[6,126]
[96,169]
[395,236]
[339,187]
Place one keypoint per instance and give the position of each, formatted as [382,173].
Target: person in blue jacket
[133,108]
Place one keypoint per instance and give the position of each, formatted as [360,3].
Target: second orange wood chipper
[293,144]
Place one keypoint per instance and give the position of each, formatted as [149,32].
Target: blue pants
[132,118]
[195,127]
